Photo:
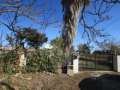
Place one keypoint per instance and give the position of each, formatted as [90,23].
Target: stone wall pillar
[116,63]
[22,59]
[76,65]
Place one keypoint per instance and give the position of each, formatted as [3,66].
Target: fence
[95,62]
[46,60]
[91,62]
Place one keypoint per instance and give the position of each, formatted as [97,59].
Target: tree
[110,47]
[15,9]
[30,36]
[9,5]
[13,13]
[76,10]
[84,49]
[34,38]
[57,42]
[71,10]
[10,40]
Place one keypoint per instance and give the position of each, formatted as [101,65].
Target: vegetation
[28,36]
[44,60]
[74,12]
[37,61]
[84,49]
[110,47]
[77,12]
[8,62]
[15,18]
[57,42]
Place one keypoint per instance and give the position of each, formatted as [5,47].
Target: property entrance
[95,62]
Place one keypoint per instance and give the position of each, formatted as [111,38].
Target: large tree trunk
[71,10]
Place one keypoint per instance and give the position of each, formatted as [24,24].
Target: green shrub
[43,60]
[8,60]
[37,61]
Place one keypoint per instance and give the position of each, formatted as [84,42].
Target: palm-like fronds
[71,9]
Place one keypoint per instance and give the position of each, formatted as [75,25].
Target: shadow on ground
[104,82]
[8,87]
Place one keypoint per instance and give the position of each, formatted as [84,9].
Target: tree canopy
[84,49]
[57,42]
[75,12]
[111,46]
[30,36]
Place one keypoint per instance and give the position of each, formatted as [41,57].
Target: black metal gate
[95,62]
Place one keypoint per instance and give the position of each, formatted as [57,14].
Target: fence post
[22,60]
[116,63]
[76,65]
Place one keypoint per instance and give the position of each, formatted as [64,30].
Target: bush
[37,61]
[8,61]
[44,60]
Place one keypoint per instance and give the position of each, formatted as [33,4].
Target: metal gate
[95,62]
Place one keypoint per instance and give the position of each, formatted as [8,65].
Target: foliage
[44,60]
[110,47]
[37,61]
[10,39]
[32,37]
[8,61]
[57,42]
[84,49]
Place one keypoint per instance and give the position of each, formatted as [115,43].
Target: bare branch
[112,1]
[98,10]
[4,11]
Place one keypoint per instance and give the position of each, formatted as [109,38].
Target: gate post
[22,59]
[116,63]
[76,65]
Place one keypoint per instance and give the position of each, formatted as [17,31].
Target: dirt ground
[46,81]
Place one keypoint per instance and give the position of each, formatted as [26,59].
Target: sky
[111,27]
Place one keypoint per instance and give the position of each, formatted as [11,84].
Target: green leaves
[84,49]
[44,60]
[57,42]
[8,61]
[32,37]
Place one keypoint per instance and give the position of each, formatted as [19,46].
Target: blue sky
[111,27]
